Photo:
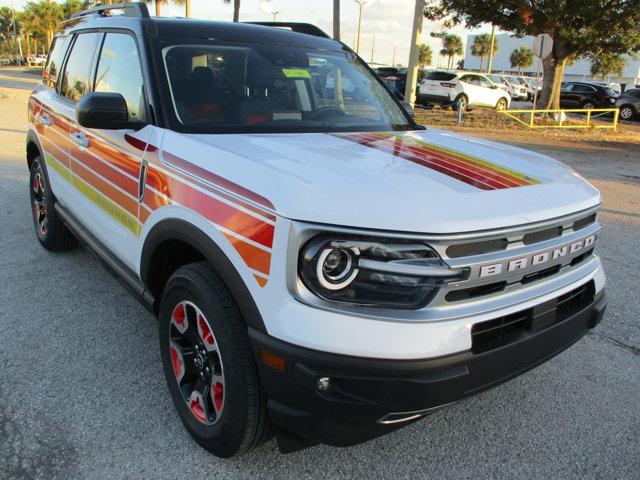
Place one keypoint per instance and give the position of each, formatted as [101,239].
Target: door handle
[44,118]
[80,138]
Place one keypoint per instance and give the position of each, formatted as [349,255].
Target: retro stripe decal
[466,168]
[108,177]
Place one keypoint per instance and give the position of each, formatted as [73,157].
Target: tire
[627,112]
[588,105]
[465,103]
[230,418]
[502,104]
[50,230]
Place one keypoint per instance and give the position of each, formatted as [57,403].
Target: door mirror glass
[104,110]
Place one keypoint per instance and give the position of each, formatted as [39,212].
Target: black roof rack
[134,9]
[305,28]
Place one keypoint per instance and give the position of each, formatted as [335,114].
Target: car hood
[430,181]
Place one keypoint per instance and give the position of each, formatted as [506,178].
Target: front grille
[476,248]
[584,222]
[502,331]
[542,235]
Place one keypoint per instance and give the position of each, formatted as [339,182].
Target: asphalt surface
[82,393]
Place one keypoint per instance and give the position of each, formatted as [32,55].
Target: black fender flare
[180,230]
[33,138]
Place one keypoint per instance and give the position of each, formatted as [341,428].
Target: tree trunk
[236,10]
[158,8]
[553,68]
[187,8]
[336,20]
[481,62]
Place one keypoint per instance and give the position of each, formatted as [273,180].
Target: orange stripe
[103,187]
[108,171]
[261,280]
[254,257]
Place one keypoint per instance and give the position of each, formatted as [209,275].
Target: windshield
[241,87]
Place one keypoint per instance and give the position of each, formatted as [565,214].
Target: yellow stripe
[423,144]
[114,211]
[456,153]
[63,171]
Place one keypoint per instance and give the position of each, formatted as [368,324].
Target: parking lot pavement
[82,393]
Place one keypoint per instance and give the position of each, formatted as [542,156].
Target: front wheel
[501,105]
[588,106]
[208,363]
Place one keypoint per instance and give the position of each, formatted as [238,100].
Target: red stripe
[108,171]
[453,163]
[215,179]
[217,211]
[103,187]
[438,166]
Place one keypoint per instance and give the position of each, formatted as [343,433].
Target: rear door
[107,164]
[472,89]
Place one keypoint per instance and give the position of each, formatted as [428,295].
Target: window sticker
[296,73]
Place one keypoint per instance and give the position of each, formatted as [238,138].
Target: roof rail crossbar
[305,28]
[134,9]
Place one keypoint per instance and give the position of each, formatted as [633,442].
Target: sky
[390,21]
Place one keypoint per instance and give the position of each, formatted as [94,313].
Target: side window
[54,62]
[119,72]
[484,82]
[76,79]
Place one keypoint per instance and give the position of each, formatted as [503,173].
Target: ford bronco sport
[322,268]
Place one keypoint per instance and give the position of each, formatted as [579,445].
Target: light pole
[361,4]
[393,62]
[15,36]
[412,70]
[493,39]
[373,47]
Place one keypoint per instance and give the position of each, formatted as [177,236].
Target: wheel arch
[172,243]
[32,148]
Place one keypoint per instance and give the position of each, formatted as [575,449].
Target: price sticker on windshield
[296,73]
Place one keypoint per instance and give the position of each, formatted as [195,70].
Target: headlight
[374,272]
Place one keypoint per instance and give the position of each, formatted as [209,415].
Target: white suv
[467,89]
[318,263]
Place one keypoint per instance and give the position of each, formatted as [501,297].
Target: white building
[579,70]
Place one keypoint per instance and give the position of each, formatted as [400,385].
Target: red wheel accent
[217,394]
[179,318]
[195,405]
[205,332]
[177,362]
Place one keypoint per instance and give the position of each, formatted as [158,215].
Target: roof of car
[188,28]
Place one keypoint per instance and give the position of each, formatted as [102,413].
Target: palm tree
[336,20]
[42,19]
[521,57]
[236,9]
[158,4]
[451,46]
[425,55]
[482,47]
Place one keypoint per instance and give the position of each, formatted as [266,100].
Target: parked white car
[470,89]
[516,90]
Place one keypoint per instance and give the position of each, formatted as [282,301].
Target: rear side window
[119,72]
[583,89]
[76,79]
[54,62]
[440,76]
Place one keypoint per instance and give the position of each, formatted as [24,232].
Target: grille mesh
[541,235]
[584,222]
[476,248]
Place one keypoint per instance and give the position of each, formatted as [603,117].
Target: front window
[242,87]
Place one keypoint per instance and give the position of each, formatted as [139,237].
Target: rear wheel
[461,103]
[588,105]
[50,230]
[501,105]
[208,363]
[627,112]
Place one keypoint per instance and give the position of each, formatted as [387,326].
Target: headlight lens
[374,272]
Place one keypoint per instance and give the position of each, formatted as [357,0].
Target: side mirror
[104,110]
[408,108]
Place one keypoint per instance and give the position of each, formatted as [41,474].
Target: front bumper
[371,397]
